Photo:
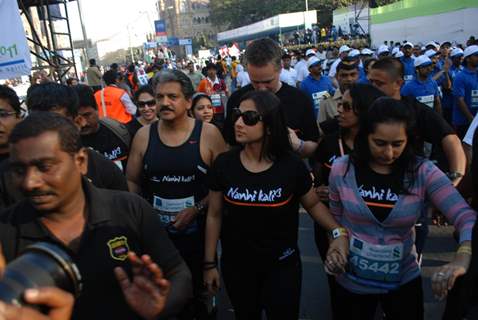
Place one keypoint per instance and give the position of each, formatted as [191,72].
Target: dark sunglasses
[150,103]
[250,118]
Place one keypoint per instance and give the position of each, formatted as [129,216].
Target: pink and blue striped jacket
[349,209]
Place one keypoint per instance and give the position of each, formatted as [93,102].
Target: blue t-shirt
[362,76]
[447,100]
[423,91]
[408,69]
[465,85]
[316,89]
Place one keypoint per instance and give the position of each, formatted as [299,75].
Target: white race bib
[474,98]
[428,100]
[216,100]
[408,77]
[317,98]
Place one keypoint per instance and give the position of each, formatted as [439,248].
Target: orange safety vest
[115,109]
[130,79]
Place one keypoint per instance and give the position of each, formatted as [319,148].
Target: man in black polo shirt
[99,228]
[264,66]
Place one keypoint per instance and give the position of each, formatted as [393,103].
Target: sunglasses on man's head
[250,118]
[150,103]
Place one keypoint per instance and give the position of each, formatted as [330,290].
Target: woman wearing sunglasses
[202,108]
[260,186]
[377,193]
[147,111]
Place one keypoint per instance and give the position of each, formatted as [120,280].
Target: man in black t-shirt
[387,75]
[264,67]
[98,135]
[100,229]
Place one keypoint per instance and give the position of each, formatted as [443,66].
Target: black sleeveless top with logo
[174,177]
[261,210]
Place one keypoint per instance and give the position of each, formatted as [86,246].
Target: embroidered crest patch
[118,248]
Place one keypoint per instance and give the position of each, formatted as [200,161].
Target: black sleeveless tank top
[174,177]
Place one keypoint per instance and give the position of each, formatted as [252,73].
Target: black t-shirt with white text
[107,143]
[327,152]
[379,191]
[261,210]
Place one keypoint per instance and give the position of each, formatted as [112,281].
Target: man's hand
[58,301]
[337,256]
[147,292]
[184,218]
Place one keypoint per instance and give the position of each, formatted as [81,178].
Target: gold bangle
[464,250]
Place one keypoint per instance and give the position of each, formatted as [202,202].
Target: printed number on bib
[428,100]
[216,100]
[375,265]
[474,98]
[169,208]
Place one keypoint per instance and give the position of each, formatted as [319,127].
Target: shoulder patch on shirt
[118,248]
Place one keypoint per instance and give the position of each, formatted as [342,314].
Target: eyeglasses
[250,118]
[5,114]
[150,103]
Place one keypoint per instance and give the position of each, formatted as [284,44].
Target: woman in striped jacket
[377,194]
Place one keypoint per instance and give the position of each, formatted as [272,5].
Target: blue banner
[160,27]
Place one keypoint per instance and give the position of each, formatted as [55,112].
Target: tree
[228,14]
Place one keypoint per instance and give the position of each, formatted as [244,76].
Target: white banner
[14,52]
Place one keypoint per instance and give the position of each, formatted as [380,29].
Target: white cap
[470,50]
[456,52]
[433,43]
[313,61]
[399,54]
[353,53]
[344,48]
[366,52]
[310,52]
[408,44]
[382,49]
[431,53]
[395,50]
[422,61]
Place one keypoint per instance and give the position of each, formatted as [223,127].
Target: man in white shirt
[288,74]
[343,52]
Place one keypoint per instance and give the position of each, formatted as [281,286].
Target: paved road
[315,297]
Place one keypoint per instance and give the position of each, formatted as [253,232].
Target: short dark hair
[86,96]
[363,96]
[69,81]
[276,143]
[92,62]
[40,122]
[143,89]
[367,62]
[285,56]
[110,77]
[52,96]
[390,65]
[211,66]
[175,76]
[9,95]
[114,66]
[347,66]
[131,67]
[263,51]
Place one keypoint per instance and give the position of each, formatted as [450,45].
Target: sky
[113,23]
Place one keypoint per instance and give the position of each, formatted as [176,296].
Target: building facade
[187,19]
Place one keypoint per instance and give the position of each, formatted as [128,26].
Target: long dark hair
[276,143]
[363,96]
[388,110]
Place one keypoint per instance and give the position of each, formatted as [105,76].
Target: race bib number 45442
[375,265]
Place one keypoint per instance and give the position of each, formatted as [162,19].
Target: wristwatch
[338,232]
[200,207]
[454,175]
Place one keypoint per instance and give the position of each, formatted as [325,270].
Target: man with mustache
[100,229]
[107,136]
[168,163]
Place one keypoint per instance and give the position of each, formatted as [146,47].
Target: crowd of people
[140,178]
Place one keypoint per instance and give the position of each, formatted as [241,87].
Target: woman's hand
[212,280]
[444,279]
[337,256]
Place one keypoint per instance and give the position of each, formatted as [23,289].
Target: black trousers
[253,288]
[405,303]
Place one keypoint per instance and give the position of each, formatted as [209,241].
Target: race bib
[474,98]
[408,77]
[428,100]
[375,265]
[168,209]
[317,98]
[216,100]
